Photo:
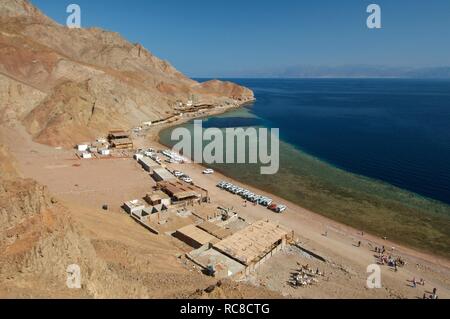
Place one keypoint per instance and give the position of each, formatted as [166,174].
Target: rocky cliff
[67,85]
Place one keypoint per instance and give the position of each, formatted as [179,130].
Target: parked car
[277,208]
[186,179]
[178,173]
[221,184]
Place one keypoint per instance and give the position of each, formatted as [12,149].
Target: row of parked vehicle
[251,197]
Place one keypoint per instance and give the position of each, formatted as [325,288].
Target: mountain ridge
[67,66]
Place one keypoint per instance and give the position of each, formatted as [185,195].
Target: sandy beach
[83,186]
[340,243]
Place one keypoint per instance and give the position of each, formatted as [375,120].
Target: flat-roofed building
[215,263]
[118,134]
[181,191]
[122,143]
[120,139]
[194,236]
[158,198]
[161,174]
[83,147]
[256,243]
[133,206]
[148,164]
[216,231]
[141,215]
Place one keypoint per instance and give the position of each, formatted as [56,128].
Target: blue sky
[212,37]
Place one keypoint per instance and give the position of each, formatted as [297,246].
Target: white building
[83,147]
[86,155]
[104,151]
[134,206]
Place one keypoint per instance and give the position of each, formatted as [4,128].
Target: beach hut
[86,155]
[104,151]
[83,147]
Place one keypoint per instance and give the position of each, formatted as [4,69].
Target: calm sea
[397,131]
[371,153]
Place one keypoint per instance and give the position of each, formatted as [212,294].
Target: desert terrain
[61,87]
[83,186]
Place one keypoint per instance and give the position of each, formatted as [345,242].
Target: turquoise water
[373,154]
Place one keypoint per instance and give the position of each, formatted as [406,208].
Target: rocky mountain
[68,85]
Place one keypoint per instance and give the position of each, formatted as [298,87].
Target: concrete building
[86,155]
[83,147]
[133,206]
[104,151]
[194,236]
[255,244]
[122,143]
[214,230]
[120,139]
[158,198]
[215,263]
[141,215]
[161,174]
[180,191]
[148,164]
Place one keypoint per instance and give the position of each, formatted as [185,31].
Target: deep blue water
[394,130]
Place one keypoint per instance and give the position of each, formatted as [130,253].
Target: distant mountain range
[347,71]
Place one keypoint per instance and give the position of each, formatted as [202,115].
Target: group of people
[389,260]
[305,276]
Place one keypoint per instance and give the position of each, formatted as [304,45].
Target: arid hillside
[67,85]
[39,239]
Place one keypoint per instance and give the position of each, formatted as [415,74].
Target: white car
[187,179]
[208,171]
[178,173]
[281,208]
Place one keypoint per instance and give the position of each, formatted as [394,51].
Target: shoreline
[82,192]
[424,255]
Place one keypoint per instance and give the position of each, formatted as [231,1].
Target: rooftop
[163,173]
[180,190]
[196,234]
[253,242]
[156,196]
[119,141]
[215,230]
[118,134]
[135,203]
